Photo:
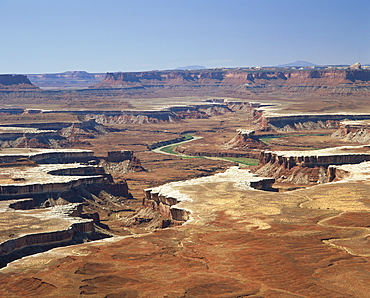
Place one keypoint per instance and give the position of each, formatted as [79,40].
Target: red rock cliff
[237,78]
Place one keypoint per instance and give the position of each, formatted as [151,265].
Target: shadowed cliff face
[15,82]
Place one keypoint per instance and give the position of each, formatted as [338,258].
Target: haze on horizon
[43,36]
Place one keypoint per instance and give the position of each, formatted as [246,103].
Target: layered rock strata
[270,121]
[229,77]
[353,131]
[53,135]
[45,155]
[239,81]
[15,82]
[350,172]
[64,227]
[168,199]
[47,179]
[310,167]
[27,189]
[172,114]
[245,139]
[323,157]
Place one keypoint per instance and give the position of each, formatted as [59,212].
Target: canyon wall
[76,230]
[172,114]
[311,159]
[232,77]
[15,82]
[52,135]
[238,81]
[23,190]
[303,122]
[167,198]
[165,205]
[47,155]
[353,131]
[310,167]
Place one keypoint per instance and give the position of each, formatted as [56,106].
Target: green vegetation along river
[170,149]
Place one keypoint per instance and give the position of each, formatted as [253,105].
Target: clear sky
[49,36]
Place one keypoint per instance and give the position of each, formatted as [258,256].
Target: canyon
[96,208]
[35,197]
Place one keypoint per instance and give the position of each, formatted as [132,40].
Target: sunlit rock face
[353,131]
[169,199]
[310,167]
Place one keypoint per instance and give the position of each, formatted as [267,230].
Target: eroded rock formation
[353,131]
[265,121]
[309,167]
[167,199]
[71,229]
[172,114]
[40,186]
[49,135]
[238,81]
[244,140]
[15,82]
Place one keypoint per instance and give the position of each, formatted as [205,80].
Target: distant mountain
[297,63]
[68,79]
[15,82]
[191,67]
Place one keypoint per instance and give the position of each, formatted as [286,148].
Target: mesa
[186,183]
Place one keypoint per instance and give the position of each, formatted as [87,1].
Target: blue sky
[48,36]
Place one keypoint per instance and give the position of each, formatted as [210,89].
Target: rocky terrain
[200,229]
[68,79]
[49,134]
[61,187]
[309,167]
[354,131]
[238,82]
[245,140]
[16,82]
[238,241]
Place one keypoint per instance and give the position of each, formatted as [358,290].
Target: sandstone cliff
[309,167]
[240,81]
[302,121]
[15,82]
[354,131]
[244,140]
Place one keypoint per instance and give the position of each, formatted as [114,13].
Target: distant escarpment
[172,114]
[68,79]
[240,82]
[302,122]
[15,82]
[54,135]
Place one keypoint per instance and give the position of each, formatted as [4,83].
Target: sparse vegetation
[170,149]
[243,160]
[267,140]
